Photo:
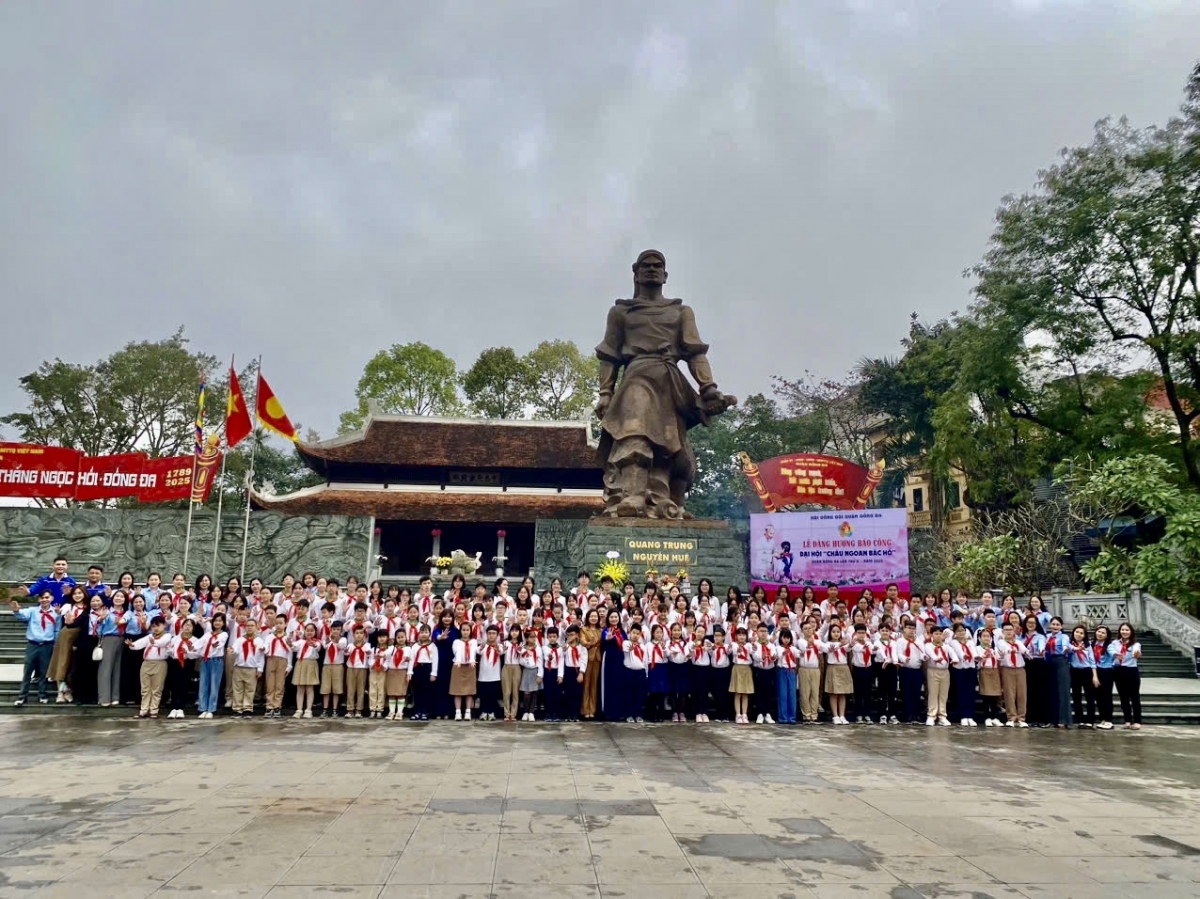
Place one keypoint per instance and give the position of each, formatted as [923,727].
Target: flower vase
[499,571]
[433,572]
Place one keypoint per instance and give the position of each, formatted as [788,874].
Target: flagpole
[199,438]
[250,475]
[187,538]
[221,492]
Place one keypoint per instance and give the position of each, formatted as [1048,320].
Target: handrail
[1177,628]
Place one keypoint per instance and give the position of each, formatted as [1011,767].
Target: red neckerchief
[492,653]
[377,664]
[282,642]
[718,653]
[248,649]
[638,651]
[574,655]
[941,653]
[862,652]
[744,653]
[1121,654]
[331,656]
[1080,651]
[552,656]
[789,656]
[1012,656]
[398,656]
[181,652]
[356,653]
[1097,651]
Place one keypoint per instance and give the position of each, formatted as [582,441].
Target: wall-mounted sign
[658,552]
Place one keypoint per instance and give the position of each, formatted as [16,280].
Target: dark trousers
[1104,694]
[1083,692]
[764,701]
[131,676]
[177,684]
[991,708]
[862,678]
[1037,678]
[637,686]
[37,659]
[887,680]
[489,697]
[572,695]
[911,682]
[552,692]
[722,699]
[422,689]
[1129,688]
[963,682]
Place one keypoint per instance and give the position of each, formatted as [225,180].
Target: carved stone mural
[144,540]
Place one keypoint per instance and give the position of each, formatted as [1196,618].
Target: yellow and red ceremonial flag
[237,414]
[270,412]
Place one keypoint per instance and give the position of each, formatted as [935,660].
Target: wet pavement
[93,808]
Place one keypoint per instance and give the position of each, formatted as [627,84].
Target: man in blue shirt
[95,585]
[57,582]
[42,624]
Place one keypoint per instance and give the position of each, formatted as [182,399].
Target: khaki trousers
[229,660]
[356,683]
[377,694]
[510,689]
[244,682]
[809,682]
[154,675]
[276,678]
[937,691]
[1016,693]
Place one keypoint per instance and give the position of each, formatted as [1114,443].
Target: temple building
[433,485]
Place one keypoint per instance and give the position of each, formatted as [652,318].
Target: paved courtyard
[100,807]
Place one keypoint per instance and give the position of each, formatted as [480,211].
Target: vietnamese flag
[270,411]
[237,414]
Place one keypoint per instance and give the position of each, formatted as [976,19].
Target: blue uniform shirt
[48,583]
[39,629]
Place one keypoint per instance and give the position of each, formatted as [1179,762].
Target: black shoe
[247,714]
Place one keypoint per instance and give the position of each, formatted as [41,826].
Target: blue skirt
[681,677]
[660,679]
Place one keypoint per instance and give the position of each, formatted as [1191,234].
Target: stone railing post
[1136,610]
[1058,603]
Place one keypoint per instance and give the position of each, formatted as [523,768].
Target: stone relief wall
[144,540]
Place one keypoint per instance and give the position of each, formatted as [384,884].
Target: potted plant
[499,562]
[685,585]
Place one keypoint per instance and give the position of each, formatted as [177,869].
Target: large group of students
[324,649]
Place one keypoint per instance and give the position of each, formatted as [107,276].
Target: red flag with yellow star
[237,415]
[270,411]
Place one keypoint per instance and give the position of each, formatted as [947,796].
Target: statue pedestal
[709,548]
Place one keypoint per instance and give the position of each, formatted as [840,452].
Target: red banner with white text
[109,477]
[38,472]
[53,472]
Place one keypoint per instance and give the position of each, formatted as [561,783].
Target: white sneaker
[943,721]
[1022,724]
[467,715]
[971,722]
[758,720]
[929,722]
[770,720]
[893,720]
[1010,724]
[458,714]
[299,713]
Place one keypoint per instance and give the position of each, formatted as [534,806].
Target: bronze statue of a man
[648,462]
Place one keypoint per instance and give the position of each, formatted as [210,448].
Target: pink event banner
[856,550]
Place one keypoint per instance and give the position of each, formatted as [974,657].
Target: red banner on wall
[39,472]
[809,478]
[109,477]
[163,480]
[54,472]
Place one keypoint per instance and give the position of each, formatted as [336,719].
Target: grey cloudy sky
[314,181]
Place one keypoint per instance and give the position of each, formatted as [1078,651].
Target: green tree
[1096,272]
[757,427]
[497,384]
[1142,486]
[563,381]
[406,379]
[140,398]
